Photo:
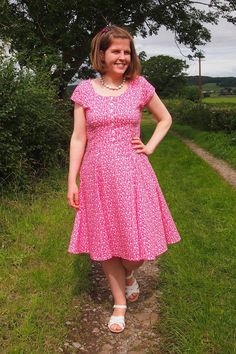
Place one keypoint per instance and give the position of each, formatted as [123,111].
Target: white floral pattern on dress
[122,211]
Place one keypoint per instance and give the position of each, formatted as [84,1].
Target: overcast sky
[220,53]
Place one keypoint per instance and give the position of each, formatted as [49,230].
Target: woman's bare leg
[129,266]
[115,274]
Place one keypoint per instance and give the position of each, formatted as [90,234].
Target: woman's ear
[101,52]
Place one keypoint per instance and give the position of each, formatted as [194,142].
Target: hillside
[219,81]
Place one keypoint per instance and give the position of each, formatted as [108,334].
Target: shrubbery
[34,125]
[203,116]
[190,93]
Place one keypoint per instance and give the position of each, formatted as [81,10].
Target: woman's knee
[132,264]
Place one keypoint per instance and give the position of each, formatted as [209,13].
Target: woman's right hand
[73,195]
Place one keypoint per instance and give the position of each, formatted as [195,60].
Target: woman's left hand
[140,147]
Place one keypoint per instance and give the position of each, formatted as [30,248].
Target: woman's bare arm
[163,117]
[77,148]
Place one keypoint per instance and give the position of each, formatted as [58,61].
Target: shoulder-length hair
[103,40]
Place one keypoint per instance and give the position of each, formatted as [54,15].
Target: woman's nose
[122,55]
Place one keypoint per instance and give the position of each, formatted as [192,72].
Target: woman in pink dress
[122,218]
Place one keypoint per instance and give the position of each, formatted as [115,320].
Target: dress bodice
[112,121]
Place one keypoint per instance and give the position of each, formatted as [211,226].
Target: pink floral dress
[122,210]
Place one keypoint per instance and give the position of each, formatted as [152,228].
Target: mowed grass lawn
[40,282]
[220,99]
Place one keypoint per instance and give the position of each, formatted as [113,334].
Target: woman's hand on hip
[140,147]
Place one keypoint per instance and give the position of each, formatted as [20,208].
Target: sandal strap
[120,320]
[119,306]
[130,289]
[130,276]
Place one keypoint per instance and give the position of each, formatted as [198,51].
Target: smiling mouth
[120,64]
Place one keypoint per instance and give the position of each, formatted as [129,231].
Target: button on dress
[122,210]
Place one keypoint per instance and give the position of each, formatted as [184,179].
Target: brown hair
[103,40]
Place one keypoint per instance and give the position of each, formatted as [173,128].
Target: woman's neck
[115,80]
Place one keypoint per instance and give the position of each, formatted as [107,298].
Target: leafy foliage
[57,35]
[203,116]
[191,93]
[34,125]
[166,74]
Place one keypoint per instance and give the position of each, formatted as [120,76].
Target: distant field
[211,87]
[220,99]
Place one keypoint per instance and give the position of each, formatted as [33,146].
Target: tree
[166,74]
[142,56]
[57,34]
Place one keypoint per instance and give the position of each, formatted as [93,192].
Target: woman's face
[117,57]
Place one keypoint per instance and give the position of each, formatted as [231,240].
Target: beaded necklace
[110,87]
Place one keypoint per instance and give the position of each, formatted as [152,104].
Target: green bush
[191,93]
[34,125]
[203,116]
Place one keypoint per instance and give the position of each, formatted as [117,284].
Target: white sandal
[119,320]
[131,289]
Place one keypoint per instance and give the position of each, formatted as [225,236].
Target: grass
[39,279]
[197,275]
[220,99]
[219,144]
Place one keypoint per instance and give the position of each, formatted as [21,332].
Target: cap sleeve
[148,91]
[79,95]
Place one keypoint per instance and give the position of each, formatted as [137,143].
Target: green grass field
[211,87]
[220,99]
[40,281]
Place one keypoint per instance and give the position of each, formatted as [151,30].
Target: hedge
[34,125]
[203,116]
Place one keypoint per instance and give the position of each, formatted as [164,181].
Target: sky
[220,53]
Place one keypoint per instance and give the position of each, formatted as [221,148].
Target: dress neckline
[98,94]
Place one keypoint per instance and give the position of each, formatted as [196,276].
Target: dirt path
[92,335]
[222,167]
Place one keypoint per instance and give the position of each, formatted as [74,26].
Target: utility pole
[200,56]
